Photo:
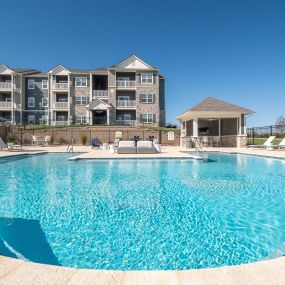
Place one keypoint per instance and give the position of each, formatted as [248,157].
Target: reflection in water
[24,239]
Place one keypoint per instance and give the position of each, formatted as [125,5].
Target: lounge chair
[145,147]
[280,145]
[95,143]
[2,144]
[47,140]
[267,144]
[127,147]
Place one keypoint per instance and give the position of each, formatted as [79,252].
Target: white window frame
[45,84]
[145,79]
[46,101]
[148,98]
[79,100]
[81,119]
[31,102]
[31,120]
[148,116]
[81,83]
[31,84]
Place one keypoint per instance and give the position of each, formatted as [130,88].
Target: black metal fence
[258,135]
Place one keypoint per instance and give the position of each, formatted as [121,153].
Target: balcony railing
[126,83]
[126,122]
[60,86]
[6,85]
[5,104]
[61,105]
[100,93]
[60,123]
[126,104]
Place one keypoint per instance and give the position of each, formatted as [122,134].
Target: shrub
[11,138]
[84,140]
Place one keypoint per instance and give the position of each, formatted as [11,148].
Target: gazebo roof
[216,107]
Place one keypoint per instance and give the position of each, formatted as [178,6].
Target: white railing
[60,86]
[126,122]
[5,104]
[126,103]
[100,93]
[126,83]
[60,105]
[60,123]
[6,85]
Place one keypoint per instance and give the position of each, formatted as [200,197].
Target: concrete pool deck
[14,271]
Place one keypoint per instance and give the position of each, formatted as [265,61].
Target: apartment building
[129,93]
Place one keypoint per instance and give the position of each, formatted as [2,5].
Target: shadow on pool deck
[24,239]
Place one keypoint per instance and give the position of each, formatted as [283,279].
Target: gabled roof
[97,104]
[4,67]
[133,62]
[58,67]
[213,105]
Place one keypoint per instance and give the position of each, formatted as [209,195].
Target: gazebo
[215,123]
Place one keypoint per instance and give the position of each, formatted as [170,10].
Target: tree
[280,120]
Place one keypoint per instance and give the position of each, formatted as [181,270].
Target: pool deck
[14,271]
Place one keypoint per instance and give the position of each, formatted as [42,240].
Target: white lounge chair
[2,144]
[280,145]
[47,140]
[145,147]
[267,144]
[127,147]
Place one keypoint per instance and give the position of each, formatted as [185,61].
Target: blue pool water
[142,214]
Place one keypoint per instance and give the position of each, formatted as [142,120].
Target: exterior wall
[38,94]
[76,109]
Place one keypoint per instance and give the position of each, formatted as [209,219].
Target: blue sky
[232,50]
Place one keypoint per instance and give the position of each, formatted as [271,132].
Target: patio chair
[95,143]
[47,140]
[34,141]
[127,147]
[267,144]
[116,142]
[205,141]
[280,145]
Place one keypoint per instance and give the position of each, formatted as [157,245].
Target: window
[44,84]
[61,118]
[31,102]
[44,102]
[80,81]
[147,118]
[31,84]
[81,100]
[147,98]
[31,119]
[81,119]
[44,119]
[123,97]
[146,78]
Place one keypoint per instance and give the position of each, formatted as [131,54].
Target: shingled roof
[212,104]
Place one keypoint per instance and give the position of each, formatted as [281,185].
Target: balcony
[126,122]
[100,94]
[60,123]
[126,84]
[6,85]
[61,86]
[60,105]
[126,104]
[6,105]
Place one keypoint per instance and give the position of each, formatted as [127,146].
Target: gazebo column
[195,127]
[220,127]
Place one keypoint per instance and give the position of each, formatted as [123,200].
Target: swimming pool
[142,214]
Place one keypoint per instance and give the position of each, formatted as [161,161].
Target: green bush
[83,140]
[11,138]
